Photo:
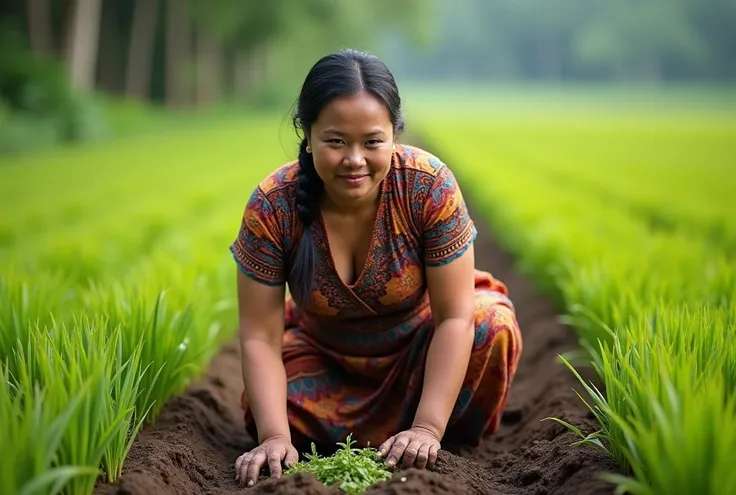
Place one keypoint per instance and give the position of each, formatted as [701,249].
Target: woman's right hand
[272,450]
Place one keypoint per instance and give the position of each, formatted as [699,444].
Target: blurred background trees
[67,67]
[660,41]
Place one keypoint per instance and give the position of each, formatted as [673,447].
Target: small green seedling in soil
[350,469]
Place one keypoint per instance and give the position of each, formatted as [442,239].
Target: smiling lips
[353,179]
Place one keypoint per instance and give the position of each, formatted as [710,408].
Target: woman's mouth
[353,179]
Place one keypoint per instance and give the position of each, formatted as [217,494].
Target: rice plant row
[654,308]
[682,164]
[116,288]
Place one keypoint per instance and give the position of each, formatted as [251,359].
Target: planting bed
[193,444]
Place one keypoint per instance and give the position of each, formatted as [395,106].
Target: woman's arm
[452,298]
[261,327]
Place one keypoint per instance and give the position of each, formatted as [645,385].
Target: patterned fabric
[354,354]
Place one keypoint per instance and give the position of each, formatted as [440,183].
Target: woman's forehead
[362,114]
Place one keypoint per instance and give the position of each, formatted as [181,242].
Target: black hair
[344,73]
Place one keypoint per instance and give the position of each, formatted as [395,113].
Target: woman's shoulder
[418,171]
[271,200]
[280,181]
[414,160]
[265,226]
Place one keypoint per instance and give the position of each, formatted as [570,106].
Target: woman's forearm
[265,387]
[447,362]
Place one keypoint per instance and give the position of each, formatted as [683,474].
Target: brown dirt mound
[193,445]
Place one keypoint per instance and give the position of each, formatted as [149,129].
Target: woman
[389,332]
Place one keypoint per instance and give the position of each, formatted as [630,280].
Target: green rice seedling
[674,444]
[172,309]
[668,415]
[350,469]
[25,303]
[80,361]
[125,393]
[158,332]
[31,432]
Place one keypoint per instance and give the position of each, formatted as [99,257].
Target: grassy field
[116,288]
[626,218]
[116,285]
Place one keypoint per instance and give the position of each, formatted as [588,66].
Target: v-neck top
[422,220]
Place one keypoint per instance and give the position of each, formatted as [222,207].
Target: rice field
[117,288]
[115,291]
[628,222]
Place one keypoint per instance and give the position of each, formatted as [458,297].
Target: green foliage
[30,83]
[38,107]
[350,469]
[29,424]
[652,301]
[279,38]
[245,25]
[109,308]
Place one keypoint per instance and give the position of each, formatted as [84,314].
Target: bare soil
[192,446]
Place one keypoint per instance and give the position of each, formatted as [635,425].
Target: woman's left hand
[417,445]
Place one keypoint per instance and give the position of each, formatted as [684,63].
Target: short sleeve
[448,231]
[258,248]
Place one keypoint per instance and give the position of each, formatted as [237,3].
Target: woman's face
[352,146]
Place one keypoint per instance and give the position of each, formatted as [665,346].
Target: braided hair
[308,191]
[344,73]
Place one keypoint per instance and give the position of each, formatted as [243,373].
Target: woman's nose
[354,157]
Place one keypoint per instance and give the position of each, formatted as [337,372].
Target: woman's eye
[372,142]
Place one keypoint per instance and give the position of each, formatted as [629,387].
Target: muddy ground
[193,445]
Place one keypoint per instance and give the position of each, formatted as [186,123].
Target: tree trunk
[39,27]
[140,51]
[81,47]
[178,54]
[208,67]
[111,65]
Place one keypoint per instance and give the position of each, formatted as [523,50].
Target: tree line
[580,40]
[194,52]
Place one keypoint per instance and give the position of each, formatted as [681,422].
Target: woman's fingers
[397,449]
[241,466]
[238,463]
[292,456]
[274,462]
[422,456]
[254,467]
[411,452]
[433,449]
[386,446]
